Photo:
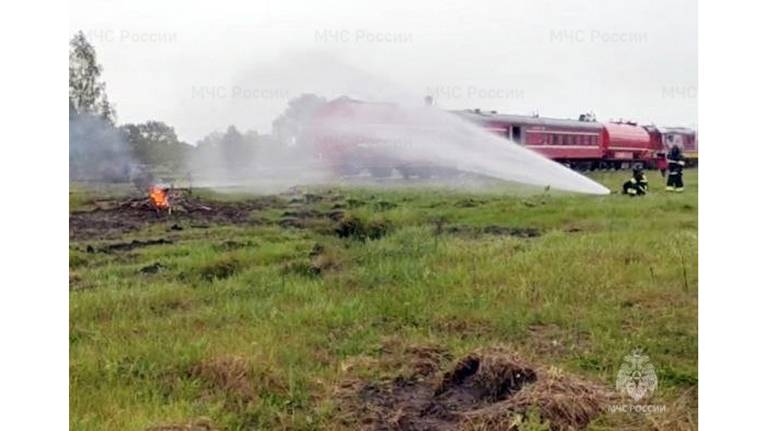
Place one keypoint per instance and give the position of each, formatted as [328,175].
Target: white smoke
[427,136]
[408,134]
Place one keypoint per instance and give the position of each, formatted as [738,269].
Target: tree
[289,126]
[97,151]
[87,93]
[155,144]
[233,147]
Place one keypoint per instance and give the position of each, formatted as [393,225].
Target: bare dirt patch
[491,389]
[119,217]
[127,246]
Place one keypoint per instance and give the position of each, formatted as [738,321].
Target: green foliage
[231,152]
[155,144]
[534,422]
[220,268]
[360,229]
[87,93]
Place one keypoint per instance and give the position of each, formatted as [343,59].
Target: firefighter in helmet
[638,184]
[675,176]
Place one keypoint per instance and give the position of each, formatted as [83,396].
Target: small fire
[159,197]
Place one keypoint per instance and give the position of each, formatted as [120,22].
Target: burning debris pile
[158,197]
[113,218]
[166,200]
[491,389]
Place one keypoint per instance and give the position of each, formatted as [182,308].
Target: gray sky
[201,66]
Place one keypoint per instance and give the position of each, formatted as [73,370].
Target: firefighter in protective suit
[638,184]
[675,175]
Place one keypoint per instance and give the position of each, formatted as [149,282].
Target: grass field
[255,325]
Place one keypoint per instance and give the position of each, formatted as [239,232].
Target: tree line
[100,149]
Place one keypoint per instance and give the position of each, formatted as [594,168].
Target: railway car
[581,144]
[627,143]
[664,138]
[353,136]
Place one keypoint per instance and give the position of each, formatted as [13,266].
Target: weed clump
[233,245]
[227,375]
[469,203]
[77,259]
[362,230]
[384,205]
[355,203]
[220,269]
[300,267]
[320,261]
[152,268]
[198,425]
[495,230]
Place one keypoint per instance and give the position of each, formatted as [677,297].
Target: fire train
[352,136]
[586,144]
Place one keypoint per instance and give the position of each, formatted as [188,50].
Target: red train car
[347,135]
[353,136]
[627,142]
[664,138]
[582,144]
[573,142]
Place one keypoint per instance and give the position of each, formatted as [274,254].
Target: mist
[98,151]
[348,141]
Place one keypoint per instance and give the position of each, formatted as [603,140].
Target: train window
[555,140]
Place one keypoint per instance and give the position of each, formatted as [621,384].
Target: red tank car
[353,137]
[343,135]
[627,142]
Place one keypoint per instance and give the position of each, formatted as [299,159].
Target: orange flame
[159,197]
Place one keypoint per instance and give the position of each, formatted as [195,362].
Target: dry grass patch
[230,375]
[198,425]
[490,389]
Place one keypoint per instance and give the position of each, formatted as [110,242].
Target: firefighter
[661,164]
[675,175]
[638,184]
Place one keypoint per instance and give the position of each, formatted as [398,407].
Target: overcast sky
[201,66]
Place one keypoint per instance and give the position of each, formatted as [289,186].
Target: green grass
[608,274]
